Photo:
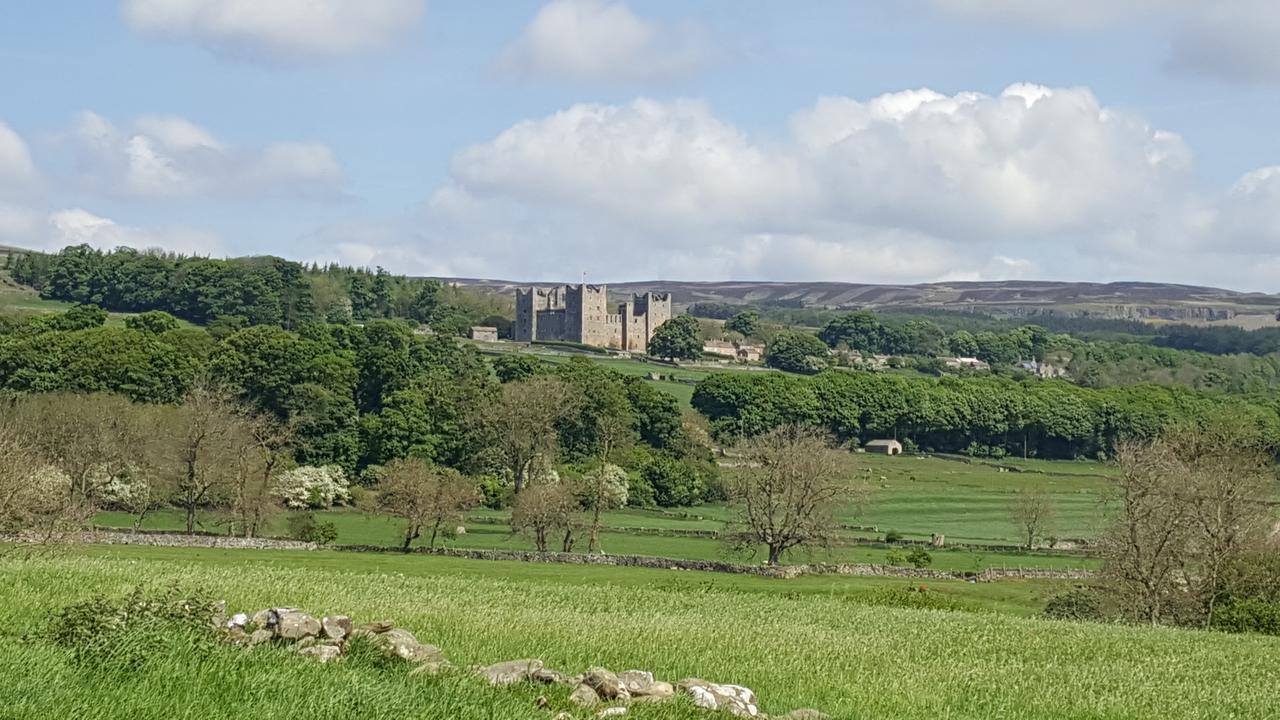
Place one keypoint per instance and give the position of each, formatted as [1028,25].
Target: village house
[736,349]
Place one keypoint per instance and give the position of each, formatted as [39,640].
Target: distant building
[741,351]
[1044,370]
[581,314]
[885,447]
[484,333]
[967,363]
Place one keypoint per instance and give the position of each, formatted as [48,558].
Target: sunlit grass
[824,650]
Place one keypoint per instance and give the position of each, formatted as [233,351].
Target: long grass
[850,659]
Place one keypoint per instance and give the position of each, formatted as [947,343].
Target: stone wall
[107,537]
[167,539]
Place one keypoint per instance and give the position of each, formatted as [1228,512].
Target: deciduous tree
[1031,512]
[789,494]
[428,497]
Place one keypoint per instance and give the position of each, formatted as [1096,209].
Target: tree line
[360,397]
[242,292]
[979,415]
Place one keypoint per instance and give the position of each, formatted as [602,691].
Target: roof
[881,443]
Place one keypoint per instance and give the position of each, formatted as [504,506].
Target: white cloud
[276,30]
[171,156]
[74,226]
[603,41]
[17,223]
[665,162]
[1230,39]
[15,159]
[905,187]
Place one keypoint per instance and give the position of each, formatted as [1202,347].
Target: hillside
[1018,298]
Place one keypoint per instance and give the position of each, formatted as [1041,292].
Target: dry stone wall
[105,537]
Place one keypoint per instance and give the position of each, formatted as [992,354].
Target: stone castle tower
[580,313]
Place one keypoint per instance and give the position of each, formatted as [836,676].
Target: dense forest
[361,396]
[979,415]
[242,292]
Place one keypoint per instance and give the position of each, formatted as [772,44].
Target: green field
[967,502]
[683,391]
[358,528]
[829,643]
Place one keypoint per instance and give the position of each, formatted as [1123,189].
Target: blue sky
[1086,140]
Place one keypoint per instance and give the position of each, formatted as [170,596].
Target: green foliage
[1080,604]
[243,291]
[1251,615]
[677,339]
[513,367]
[988,416]
[738,404]
[745,323]
[861,331]
[152,321]
[918,557]
[305,527]
[673,482]
[124,633]
[796,351]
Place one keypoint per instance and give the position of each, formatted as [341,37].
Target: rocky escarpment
[603,692]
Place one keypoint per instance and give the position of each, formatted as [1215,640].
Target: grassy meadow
[968,502]
[827,643]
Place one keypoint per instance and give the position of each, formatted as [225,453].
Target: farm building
[484,333]
[887,447]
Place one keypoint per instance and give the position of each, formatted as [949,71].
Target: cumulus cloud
[171,156]
[74,226]
[1229,39]
[910,186]
[15,159]
[603,41]
[276,30]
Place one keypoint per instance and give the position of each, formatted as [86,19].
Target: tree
[198,446]
[519,425]
[961,343]
[154,322]
[789,494]
[675,483]
[517,366]
[90,439]
[745,323]
[1231,478]
[796,351]
[426,496]
[607,485]
[677,339]
[255,497]
[33,493]
[1190,505]
[543,508]
[1032,513]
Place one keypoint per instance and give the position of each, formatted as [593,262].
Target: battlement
[580,313]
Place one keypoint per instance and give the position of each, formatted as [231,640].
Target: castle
[581,314]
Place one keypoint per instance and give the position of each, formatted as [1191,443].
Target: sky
[888,141]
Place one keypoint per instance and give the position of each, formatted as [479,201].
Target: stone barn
[484,333]
[884,447]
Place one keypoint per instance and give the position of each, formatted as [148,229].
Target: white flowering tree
[309,486]
[128,490]
[608,487]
